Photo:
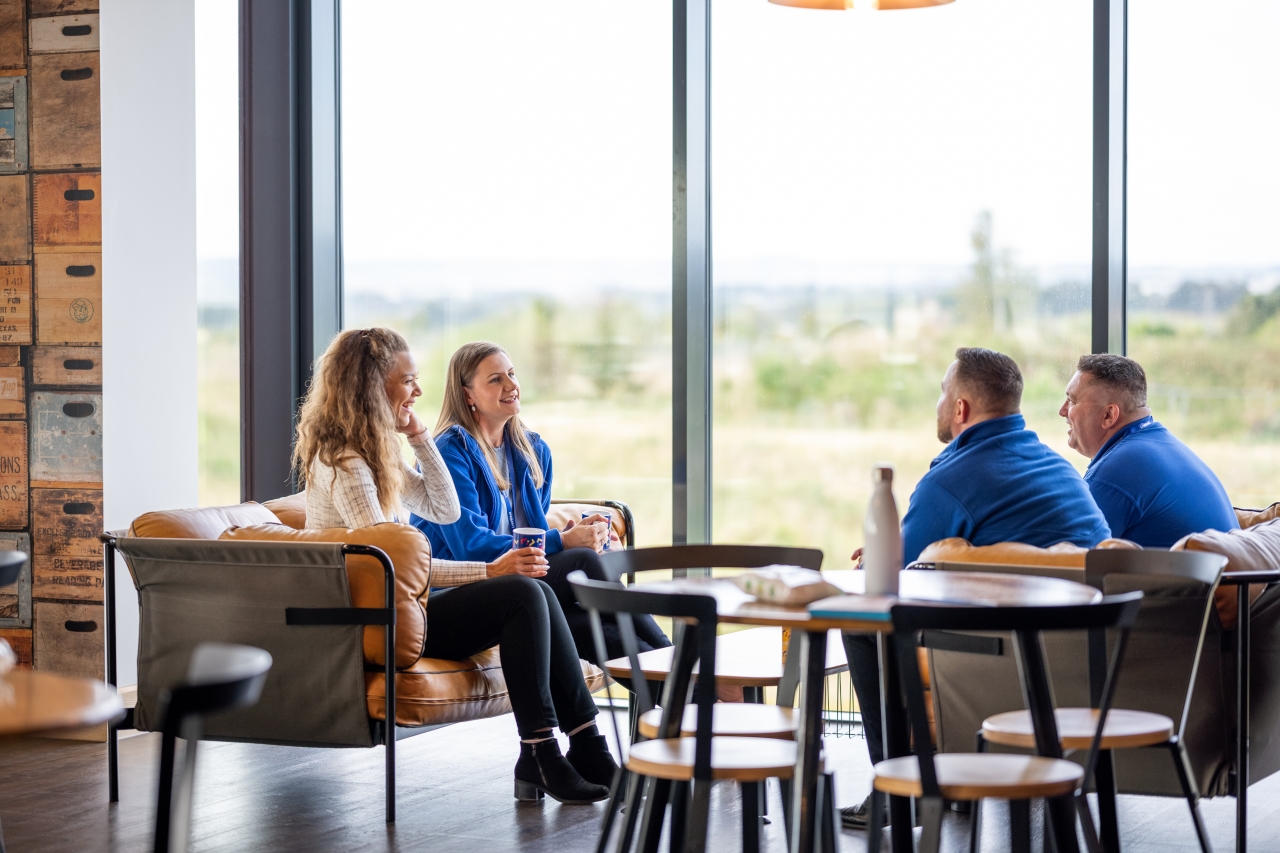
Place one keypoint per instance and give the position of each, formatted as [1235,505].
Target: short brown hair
[991,377]
[1122,375]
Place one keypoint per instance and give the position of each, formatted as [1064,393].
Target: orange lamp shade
[842,5]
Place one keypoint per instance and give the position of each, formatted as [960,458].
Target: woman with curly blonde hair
[348,454]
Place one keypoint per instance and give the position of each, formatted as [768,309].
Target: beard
[944,431]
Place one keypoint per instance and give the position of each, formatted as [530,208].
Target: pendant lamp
[842,5]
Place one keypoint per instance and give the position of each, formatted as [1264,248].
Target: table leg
[809,742]
[897,740]
[1242,717]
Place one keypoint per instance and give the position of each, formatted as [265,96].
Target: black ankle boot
[589,754]
[543,770]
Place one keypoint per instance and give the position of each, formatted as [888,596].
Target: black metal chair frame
[182,711]
[383,731]
[1026,624]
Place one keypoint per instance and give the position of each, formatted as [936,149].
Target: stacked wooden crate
[51,331]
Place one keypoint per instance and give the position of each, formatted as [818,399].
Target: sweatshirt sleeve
[429,492]
[932,515]
[470,537]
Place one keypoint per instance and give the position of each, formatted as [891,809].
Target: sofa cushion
[559,515]
[205,523]
[1063,555]
[434,692]
[1251,549]
[410,554]
[1250,517]
[291,510]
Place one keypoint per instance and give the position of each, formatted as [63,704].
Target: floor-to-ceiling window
[506,177]
[1204,230]
[218,248]
[887,187]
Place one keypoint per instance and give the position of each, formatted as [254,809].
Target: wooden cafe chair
[752,718]
[935,779]
[1179,593]
[681,770]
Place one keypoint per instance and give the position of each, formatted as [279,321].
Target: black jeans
[864,669]
[539,661]
[648,635]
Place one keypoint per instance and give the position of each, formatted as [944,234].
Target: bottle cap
[882,473]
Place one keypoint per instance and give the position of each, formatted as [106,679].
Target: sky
[509,133]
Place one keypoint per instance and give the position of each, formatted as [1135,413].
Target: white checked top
[347,497]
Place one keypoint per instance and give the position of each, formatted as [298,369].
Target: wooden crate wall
[51,332]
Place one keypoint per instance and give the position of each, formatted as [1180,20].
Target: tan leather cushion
[291,510]
[410,554]
[1250,517]
[1253,549]
[206,523]
[1063,555]
[434,692]
[560,515]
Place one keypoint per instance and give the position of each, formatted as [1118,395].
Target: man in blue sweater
[1150,486]
[994,482]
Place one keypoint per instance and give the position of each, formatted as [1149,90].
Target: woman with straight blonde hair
[502,472]
[348,455]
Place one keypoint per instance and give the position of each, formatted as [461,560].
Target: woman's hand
[591,532]
[530,562]
[412,425]
[857,557]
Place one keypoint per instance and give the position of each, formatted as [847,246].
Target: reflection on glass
[1204,261]
[889,187]
[507,178]
[217,250]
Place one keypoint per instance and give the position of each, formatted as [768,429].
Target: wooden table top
[735,606]
[33,702]
[751,658]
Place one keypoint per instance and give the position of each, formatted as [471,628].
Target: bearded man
[994,482]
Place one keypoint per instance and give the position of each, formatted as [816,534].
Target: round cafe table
[871,616]
[39,702]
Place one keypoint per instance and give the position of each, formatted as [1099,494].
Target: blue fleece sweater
[474,535]
[1154,490]
[997,483]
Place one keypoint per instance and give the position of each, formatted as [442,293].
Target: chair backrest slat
[683,557]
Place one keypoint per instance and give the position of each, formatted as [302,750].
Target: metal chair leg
[975,811]
[1020,826]
[657,792]
[630,816]
[784,787]
[875,822]
[611,811]
[750,817]
[828,828]
[1181,766]
[699,813]
[930,812]
[679,814]
[1105,783]
[164,795]
[1061,815]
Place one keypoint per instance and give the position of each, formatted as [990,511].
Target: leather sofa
[328,686]
[967,687]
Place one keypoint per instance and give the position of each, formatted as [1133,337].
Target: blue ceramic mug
[608,517]
[529,537]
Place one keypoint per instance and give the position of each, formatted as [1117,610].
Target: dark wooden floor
[454,795]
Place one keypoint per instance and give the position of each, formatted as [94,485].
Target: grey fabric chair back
[196,591]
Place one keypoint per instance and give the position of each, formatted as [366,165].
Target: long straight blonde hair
[455,411]
[346,413]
